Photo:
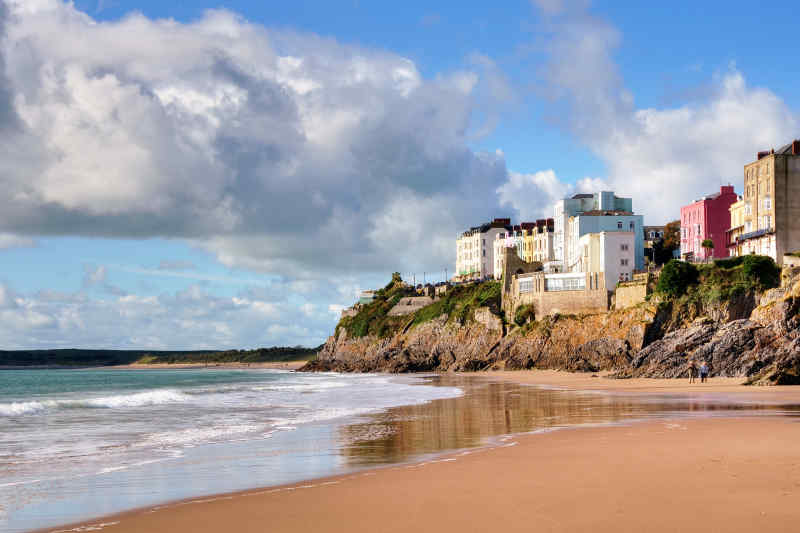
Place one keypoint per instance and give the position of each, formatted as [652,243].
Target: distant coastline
[80,358]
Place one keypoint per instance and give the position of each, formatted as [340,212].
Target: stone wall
[791,261]
[630,294]
[513,266]
[410,304]
[591,298]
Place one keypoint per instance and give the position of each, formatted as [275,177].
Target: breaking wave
[139,399]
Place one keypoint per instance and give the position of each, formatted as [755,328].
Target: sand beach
[730,473]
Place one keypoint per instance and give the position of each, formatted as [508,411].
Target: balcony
[754,235]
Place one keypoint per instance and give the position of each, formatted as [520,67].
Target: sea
[76,444]
[79,445]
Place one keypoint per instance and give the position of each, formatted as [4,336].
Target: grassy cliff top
[720,280]
[458,305]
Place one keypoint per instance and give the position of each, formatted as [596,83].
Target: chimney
[795,147]
[761,154]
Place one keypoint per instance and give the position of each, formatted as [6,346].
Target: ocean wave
[321,415]
[139,399]
[198,435]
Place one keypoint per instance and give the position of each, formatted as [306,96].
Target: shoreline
[225,507]
[568,463]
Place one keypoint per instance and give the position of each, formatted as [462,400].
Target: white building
[602,221]
[543,246]
[475,249]
[611,252]
[581,203]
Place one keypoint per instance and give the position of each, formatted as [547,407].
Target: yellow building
[528,244]
[737,227]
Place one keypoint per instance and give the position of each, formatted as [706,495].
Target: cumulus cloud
[189,319]
[268,148]
[8,240]
[672,154]
[94,275]
[533,195]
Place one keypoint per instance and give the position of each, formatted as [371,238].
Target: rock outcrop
[750,334]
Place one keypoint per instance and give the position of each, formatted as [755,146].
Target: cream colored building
[475,250]
[771,212]
[610,252]
[737,227]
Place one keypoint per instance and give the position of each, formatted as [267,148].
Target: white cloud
[533,195]
[189,319]
[8,241]
[94,275]
[663,158]
[268,148]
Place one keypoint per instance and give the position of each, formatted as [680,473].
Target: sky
[193,175]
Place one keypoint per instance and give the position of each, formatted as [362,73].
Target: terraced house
[475,249]
[771,205]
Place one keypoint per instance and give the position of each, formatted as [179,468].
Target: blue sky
[231,178]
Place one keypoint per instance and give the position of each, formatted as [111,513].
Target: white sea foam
[139,399]
[198,435]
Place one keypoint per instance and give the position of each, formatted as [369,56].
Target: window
[623,247]
[767,203]
[748,226]
[623,262]
[747,209]
[766,222]
[576,283]
[525,285]
[484,253]
[632,225]
[619,224]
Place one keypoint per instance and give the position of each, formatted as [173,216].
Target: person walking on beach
[703,372]
[692,370]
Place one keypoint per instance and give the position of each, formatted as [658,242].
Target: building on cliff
[475,249]
[771,211]
[707,218]
[603,222]
[609,252]
[577,204]
[737,228]
[532,241]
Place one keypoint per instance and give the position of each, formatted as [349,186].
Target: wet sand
[685,474]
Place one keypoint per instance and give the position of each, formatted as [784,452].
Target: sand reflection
[490,409]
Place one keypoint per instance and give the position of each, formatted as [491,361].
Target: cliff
[726,316]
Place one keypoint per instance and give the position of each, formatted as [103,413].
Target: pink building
[707,218]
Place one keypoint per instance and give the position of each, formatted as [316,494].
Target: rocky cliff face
[737,337]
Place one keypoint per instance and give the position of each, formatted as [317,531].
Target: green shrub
[523,314]
[761,270]
[372,318]
[729,263]
[460,303]
[676,277]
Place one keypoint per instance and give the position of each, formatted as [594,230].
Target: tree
[707,245]
[676,277]
[672,235]
[671,241]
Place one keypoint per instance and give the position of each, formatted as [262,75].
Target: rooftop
[610,213]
